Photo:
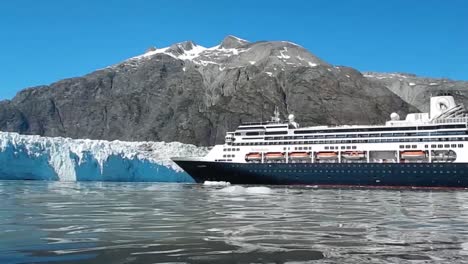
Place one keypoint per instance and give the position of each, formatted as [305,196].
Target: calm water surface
[55,222]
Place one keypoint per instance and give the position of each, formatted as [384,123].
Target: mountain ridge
[192,94]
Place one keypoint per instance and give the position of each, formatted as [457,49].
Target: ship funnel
[292,122]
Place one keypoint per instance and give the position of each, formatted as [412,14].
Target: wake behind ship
[424,150]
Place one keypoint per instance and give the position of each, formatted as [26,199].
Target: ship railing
[260,123]
[451,120]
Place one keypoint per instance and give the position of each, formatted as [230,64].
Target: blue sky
[45,41]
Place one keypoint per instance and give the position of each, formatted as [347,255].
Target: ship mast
[276,116]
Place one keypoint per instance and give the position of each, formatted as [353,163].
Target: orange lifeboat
[413,155]
[255,156]
[326,155]
[353,155]
[299,155]
[274,155]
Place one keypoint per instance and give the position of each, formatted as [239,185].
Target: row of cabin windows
[348,141]
[256,133]
[412,134]
[366,165]
[231,149]
[407,134]
[342,147]
[433,146]
[229,156]
[261,127]
[447,146]
[383,129]
[327,148]
[410,146]
[362,171]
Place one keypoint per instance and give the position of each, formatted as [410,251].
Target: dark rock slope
[192,94]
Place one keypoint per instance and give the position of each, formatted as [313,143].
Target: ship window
[348,147]
[414,146]
[402,146]
[439,146]
[342,147]
[407,146]
[460,145]
[354,147]
[250,128]
[276,132]
[454,145]
[426,146]
[446,146]
[327,147]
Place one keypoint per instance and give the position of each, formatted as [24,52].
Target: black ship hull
[450,175]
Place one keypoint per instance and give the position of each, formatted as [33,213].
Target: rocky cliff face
[193,94]
[416,90]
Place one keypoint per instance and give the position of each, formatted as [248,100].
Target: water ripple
[176,223]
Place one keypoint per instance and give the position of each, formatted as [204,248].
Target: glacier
[25,157]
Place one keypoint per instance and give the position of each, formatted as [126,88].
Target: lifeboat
[442,155]
[353,155]
[413,155]
[299,155]
[326,155]
[253,156]
[274,156]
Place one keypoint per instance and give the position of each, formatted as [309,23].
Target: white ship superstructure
[438,136]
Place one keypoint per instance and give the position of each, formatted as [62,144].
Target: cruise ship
[423,150]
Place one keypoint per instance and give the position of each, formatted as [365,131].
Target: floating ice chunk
[412,84]
[216,183]
[258,190]
[234,189]
[249,190]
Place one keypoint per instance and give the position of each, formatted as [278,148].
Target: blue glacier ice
[25,157]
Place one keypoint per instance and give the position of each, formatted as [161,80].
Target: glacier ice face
[42,158]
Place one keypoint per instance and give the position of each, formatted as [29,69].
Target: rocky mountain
[193,94]
[417,91]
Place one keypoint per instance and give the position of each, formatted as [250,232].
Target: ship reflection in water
[58,222]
